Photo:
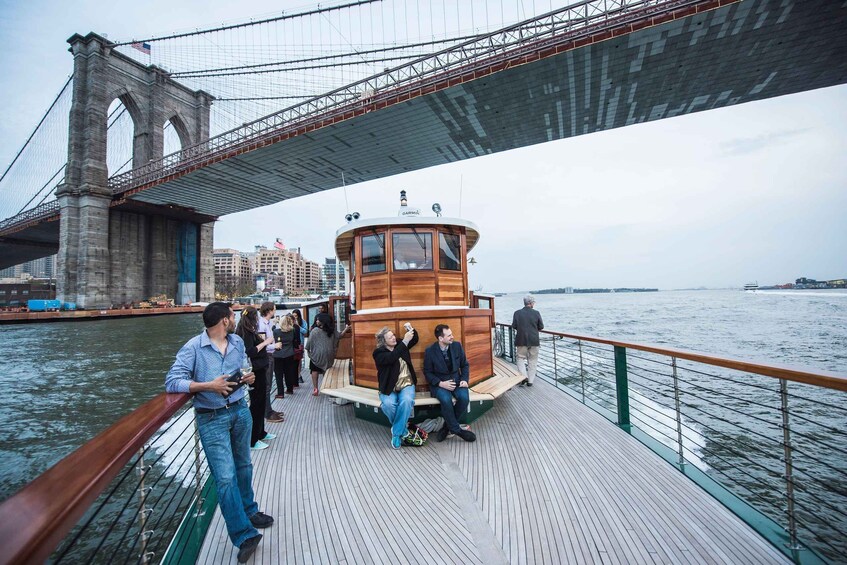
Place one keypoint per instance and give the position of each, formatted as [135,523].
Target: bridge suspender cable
[44,117]
[248,24]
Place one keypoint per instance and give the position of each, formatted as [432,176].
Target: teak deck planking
[547,481]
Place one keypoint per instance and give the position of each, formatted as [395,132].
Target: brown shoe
[276,417]
[279,396]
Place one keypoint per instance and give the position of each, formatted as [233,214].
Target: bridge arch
[113,255]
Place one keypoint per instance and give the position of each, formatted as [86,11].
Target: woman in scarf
[397,380]
[285,367]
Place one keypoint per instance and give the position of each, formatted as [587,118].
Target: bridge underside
[747,51]
[34,242]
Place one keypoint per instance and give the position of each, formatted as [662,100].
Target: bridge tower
[111,255]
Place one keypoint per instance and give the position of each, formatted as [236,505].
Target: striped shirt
[200,361]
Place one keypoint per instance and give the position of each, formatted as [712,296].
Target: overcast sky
[754,192]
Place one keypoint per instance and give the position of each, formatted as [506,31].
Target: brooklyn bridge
[144,227]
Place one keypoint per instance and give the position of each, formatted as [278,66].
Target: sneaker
[528,384]
[275,417]
[395,442]
[269,436]
[524,382]
[259,445]
[248,547]
[466,435]
[261,520]
[442,434]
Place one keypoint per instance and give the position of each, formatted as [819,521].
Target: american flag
[143,47]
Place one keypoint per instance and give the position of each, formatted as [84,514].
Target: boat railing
[124,496]
[769,442]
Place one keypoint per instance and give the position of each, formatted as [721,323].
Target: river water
[68,381]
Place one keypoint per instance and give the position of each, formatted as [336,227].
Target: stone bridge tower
[112,254]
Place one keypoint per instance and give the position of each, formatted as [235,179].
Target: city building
[333,276]
[43,268]
[286,270]
[17,292]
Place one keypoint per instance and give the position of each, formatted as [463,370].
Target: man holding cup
[223,420]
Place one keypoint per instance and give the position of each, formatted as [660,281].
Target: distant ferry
[753,286]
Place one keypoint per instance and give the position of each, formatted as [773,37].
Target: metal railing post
[198,477]
[142,509]
[512,344]
[621,386]
[555,363]
[786,446]
[678,412]
[581,369]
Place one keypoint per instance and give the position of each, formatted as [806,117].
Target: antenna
[344,184]
[461,187]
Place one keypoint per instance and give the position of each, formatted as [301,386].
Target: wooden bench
[336,383]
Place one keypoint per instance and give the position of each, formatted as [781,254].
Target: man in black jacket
[397,379]
[447,371]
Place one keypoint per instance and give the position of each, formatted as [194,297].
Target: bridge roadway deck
[547,481]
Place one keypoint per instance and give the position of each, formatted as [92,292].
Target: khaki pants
[527,356]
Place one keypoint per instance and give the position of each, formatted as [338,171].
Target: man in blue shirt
[223,420]
[446,369]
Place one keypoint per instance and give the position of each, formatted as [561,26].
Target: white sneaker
[259,445]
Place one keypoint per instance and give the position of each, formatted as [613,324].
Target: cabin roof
[344,236]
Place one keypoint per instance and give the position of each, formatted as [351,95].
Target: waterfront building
[299,275]
[43,268]
[333,276]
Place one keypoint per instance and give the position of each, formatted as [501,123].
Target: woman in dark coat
[254,345]
[285,367]
[397,380]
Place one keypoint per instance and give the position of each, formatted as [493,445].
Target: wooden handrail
[824,379]
[35,520]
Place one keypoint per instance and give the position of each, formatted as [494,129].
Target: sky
[754,192]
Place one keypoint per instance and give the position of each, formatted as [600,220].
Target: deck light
[403,201]
[437,209]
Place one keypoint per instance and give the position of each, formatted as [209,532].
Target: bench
[336,383]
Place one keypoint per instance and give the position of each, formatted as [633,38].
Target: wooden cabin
[411,269]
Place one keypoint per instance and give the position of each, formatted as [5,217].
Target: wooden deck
[336,383]
[547,481]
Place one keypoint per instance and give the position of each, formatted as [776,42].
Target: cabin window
[412,251]
[449,252]
[373,253]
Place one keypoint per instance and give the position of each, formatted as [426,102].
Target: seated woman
[397,380]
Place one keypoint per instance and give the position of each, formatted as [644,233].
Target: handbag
[416,436]
[298,353]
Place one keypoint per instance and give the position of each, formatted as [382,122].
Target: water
[69,381]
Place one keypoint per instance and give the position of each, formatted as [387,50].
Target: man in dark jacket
[527,323]
[397,379]
[446,369]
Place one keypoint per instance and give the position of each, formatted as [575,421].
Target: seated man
[446,369]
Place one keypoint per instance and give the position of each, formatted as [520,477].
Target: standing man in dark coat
[447,371]
[527,323]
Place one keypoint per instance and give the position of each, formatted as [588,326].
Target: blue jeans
[450,413]
[225,435]
[398,406]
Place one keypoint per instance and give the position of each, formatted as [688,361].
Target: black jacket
[259,359]
[388,364]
